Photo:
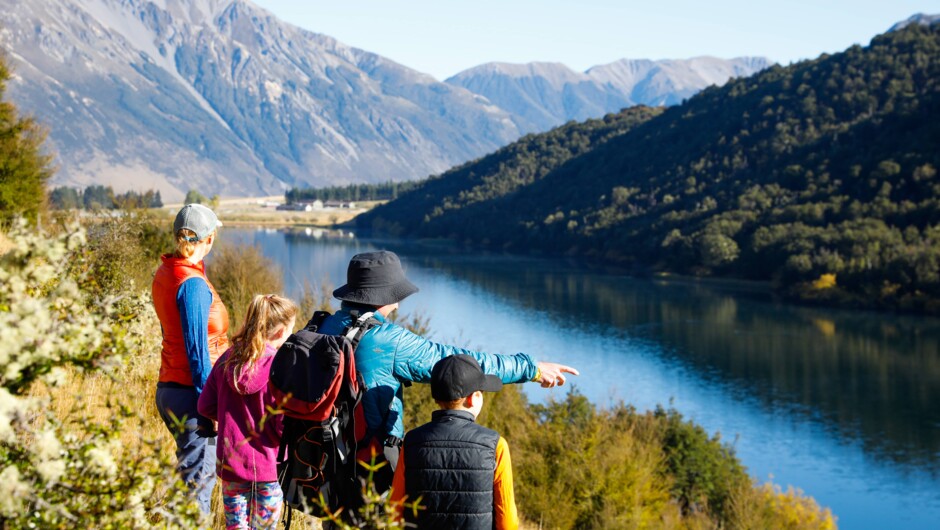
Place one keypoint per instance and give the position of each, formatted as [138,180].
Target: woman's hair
[186,241]
[265,314]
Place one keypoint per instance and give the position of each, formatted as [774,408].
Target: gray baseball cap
[197,218]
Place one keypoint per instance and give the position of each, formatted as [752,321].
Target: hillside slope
[821,176]
[438,202]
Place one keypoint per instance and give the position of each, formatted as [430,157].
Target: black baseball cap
[458,376]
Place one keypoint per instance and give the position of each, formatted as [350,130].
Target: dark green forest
[98,197]
[820,177]
[384,191]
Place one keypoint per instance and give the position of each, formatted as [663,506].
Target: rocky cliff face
[543,95]
[221,96]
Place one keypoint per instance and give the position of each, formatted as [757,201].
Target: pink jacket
[246,449]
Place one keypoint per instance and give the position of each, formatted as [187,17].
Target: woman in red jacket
[195,326]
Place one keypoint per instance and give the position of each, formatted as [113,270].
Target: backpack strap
[360,324]
[316,320]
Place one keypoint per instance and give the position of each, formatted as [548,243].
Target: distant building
[340,204]
[302,206]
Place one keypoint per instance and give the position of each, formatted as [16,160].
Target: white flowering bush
[73,453]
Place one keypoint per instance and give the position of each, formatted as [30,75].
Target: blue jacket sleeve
[208,403]
[193,300]
[416,355]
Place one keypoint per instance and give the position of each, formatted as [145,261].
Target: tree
[98,197]
[194,197]
[156,201]
[65,198]
[24,170]
[717,249]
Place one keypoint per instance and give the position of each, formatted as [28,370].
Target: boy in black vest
[461,471]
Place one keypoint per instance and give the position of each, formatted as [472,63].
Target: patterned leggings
[251,505]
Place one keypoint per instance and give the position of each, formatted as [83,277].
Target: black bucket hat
[376,279]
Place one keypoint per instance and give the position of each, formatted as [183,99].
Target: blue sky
[443,37]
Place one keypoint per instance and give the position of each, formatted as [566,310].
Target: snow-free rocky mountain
[223,97]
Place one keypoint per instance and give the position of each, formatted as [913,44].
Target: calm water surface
[843,405]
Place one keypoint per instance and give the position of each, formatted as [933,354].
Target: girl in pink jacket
[236,395]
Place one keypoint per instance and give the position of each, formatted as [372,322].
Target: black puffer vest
[451,463]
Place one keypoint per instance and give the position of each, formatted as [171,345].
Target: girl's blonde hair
[186,241]
[265,314]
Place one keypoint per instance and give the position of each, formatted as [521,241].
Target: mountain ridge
[542,95]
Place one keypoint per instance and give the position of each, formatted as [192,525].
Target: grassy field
[263,211]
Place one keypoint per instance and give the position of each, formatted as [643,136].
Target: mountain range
[223,97]
[540,96]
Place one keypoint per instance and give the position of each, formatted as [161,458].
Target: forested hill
[503,172]
[820,176]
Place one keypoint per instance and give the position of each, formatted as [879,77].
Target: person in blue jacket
[389,355]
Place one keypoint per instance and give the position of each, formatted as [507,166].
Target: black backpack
[314,381]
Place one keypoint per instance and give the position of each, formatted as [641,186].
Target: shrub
[238,273]
[767,506]
[705,471]
[618,468]
[64,465]
[124,250]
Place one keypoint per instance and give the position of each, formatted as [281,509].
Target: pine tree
[24,170]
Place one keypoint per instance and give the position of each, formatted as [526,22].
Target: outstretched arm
[415,356]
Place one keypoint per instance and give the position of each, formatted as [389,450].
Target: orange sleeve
[398,487]
[504,501]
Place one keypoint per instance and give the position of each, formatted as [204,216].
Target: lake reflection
[839,403]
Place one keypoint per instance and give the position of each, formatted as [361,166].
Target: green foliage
[130,200]
[704,470]
[24,169]
[73,469]
[822,167]
[438,206]
[123,251]
[65,198]
[97,197]
[194,197]
[351,193]
[619,468]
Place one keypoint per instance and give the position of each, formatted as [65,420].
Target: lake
[843,405]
